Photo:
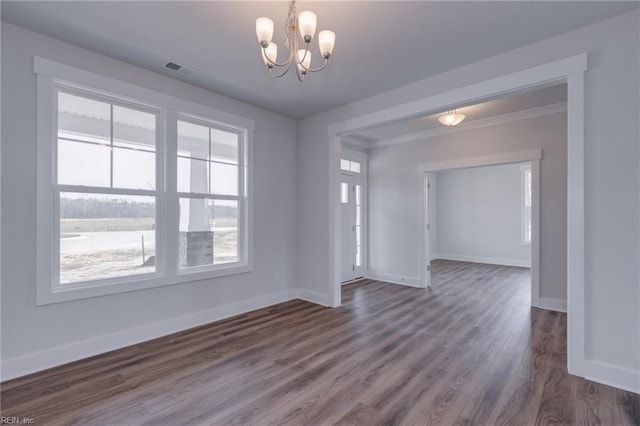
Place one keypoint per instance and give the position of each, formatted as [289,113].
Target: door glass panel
[345,165]
[344,192]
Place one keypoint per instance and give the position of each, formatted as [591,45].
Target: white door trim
[424,247]
[484,160]
[570,70]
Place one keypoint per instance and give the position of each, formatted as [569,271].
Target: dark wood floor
[468,351]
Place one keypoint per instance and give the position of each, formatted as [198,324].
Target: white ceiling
[512,106]
[379,45]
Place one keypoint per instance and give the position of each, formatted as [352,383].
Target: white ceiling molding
[353,140]
[469,125]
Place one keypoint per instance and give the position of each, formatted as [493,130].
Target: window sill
[48,295]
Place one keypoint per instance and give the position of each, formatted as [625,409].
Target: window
[136,189]
[349,166]
[106,188]
[525,173]
[208,182]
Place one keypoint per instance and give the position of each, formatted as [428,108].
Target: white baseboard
[549,304]
[41,360]
[394,279]
[489,260]
[313,297]
[611,375]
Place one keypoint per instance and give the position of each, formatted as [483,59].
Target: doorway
[353,165]
[485,215]
[351,202]
[570,70]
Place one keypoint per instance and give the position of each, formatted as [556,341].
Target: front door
[352,206]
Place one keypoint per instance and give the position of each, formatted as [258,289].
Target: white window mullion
[103,190]
[170,203]
[208,196]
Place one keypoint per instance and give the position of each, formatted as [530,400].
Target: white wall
[395,185]
[481,216]
[29,333]
[612,216]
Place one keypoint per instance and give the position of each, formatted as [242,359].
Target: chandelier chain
[290,24]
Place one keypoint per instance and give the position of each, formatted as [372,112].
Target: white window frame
[58,188]
[524,170]
[53,75]
[351,164]
[242,202]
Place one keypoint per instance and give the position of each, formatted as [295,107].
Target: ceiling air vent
[173,66]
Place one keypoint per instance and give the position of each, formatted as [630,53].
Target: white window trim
[354,156]
[157,193]
[523,209]
[52,74]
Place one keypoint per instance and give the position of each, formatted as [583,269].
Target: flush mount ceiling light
[451,118]
[305,22]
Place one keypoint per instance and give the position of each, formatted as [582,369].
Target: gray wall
[480,212]
[394,180]
[612,216]
[27,328]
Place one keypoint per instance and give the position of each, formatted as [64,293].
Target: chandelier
[305,22]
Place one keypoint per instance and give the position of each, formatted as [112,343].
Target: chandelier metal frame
[301,58]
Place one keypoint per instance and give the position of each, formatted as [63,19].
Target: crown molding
[353,140]
[476,124]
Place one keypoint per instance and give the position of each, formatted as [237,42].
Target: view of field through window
[216,241]
[108,191]
[109,231]
[106,236]
[208,186]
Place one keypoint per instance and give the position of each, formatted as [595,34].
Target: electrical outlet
[276,277]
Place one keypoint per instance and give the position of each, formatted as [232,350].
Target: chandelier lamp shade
[451,118]
[299,52]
